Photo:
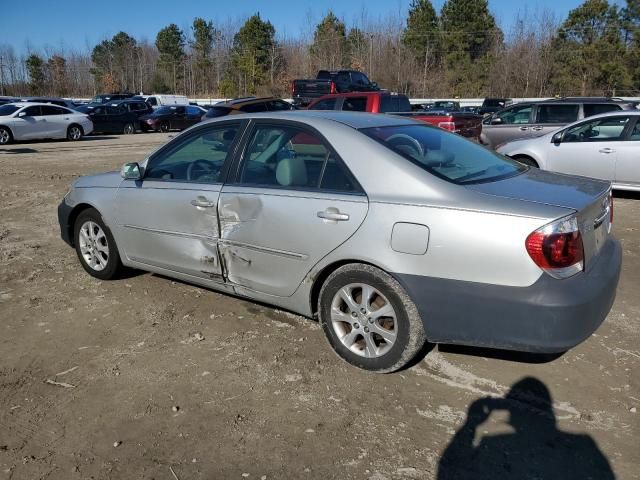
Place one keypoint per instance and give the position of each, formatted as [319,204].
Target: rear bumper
[64,214]
[549,316]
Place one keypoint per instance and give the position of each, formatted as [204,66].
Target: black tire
[6,137]
[74,133]
[129,129]
[408,327]
[530,162]
[113,266]
[164,127]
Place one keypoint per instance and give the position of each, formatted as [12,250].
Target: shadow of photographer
[535,449]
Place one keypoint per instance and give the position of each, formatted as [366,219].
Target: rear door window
[557,113]
[591,109]
[355,104]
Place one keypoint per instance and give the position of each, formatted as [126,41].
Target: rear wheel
[5,136]
[129,129]
[527,161]
[74,133]
[369,320]
[95,246]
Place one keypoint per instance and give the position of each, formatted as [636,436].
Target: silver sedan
[605,146]
[389,231]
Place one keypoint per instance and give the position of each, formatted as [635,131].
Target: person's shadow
[535,450]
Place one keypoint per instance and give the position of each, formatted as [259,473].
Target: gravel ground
[146,377]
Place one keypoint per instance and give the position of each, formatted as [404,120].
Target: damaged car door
[169,219]
[291,202]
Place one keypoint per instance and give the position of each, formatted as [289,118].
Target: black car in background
[113,119]
[248,105]
[104,98]
[139,107]
[171,117]
[5,100]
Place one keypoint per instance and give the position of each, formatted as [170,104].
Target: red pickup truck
[465,124]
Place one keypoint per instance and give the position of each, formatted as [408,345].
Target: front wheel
[74,133]
[369,320]
[95,246]
[164,127]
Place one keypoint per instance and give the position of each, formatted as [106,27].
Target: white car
[157,101]
[32,121]
[605,146]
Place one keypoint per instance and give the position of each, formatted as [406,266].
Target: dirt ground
[159,379]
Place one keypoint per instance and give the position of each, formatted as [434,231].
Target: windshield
[445,154]
[8,109]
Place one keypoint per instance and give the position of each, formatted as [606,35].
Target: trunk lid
[588,197]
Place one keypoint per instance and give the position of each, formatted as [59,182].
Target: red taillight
[333,88]
[450,126]
[557,248]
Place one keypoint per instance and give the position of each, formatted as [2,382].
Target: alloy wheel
[75,133]
[364,320]
[93,245]
[5,137]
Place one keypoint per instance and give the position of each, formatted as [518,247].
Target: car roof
[355,120]
[35,104]
[246,101]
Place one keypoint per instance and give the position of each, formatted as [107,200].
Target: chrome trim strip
[177,234]
[272,251]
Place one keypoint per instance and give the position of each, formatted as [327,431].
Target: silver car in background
[605,146]
[35,121]
[390,231]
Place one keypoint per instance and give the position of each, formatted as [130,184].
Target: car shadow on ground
[18,150]
[535,448]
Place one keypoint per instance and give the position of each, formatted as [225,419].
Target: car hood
[104,180]
[548,188]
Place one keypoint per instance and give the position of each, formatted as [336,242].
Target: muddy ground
[160,379]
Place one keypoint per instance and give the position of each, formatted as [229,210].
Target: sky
[67,25]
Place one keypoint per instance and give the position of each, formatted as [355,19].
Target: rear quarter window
[591,109]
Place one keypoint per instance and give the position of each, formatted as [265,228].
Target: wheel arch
[526,156]
[321,276]
[73,216]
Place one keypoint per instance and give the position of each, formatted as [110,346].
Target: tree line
[459,51]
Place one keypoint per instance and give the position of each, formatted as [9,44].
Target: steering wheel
[404,142]
[200,167]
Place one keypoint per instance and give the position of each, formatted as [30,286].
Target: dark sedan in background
[174,117]
[114,118]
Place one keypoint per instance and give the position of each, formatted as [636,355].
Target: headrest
[291,172]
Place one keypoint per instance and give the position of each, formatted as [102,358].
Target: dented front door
[170,225]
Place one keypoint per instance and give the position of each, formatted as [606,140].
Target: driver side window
[197,159]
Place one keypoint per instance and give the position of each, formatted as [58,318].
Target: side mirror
[131,171]
[496,121]
[557,138]
[22,114]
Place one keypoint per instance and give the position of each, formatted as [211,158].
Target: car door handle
[606,150]
[334,215]
[524,129]
[202,202]
[536,129]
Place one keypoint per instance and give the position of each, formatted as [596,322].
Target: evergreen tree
[204,35]
[470,34]
[330,48]
[253,46]
[589,51]
[422,33]
[170,43]
[37,73]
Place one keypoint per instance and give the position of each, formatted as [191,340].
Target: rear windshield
[8,109]
[445,154]
[394,103]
